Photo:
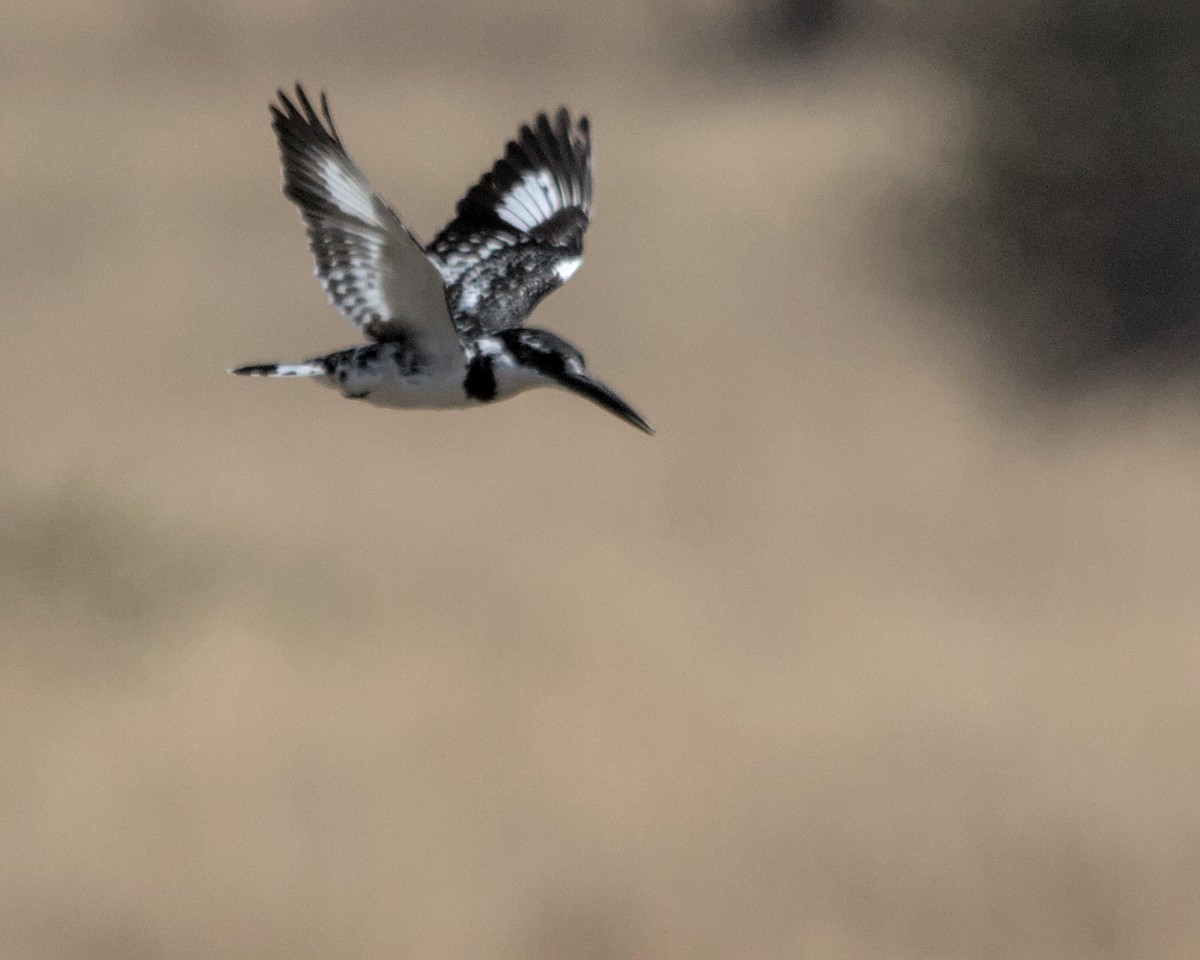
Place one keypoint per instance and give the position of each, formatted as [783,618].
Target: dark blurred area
[860,656]
[1074,243]
[1081,241]
[791,28]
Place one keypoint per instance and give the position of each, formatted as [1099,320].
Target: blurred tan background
[885,647]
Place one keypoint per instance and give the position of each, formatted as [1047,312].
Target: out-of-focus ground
[866,655]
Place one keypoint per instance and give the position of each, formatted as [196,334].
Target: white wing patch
[347,192]
[566,268]
[531,201]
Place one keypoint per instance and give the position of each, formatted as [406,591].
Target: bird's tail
[281,370]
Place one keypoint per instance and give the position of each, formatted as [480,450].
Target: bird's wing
[374,271]
[518,233]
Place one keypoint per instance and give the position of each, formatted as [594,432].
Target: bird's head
[522,358]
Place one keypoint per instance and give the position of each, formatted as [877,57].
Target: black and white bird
[444,322]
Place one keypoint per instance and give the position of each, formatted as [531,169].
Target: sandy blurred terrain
[860,657]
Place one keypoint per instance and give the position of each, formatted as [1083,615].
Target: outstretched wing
[518,233]
[374,271]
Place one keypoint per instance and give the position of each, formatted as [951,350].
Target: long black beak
[598,393]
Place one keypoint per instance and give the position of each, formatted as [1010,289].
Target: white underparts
[382,375]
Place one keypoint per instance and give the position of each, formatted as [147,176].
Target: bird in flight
[444,323]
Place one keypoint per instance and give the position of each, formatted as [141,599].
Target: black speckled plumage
[518,232]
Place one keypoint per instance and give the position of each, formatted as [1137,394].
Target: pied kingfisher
[444,321]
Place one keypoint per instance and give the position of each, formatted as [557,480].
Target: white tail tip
[280,370]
